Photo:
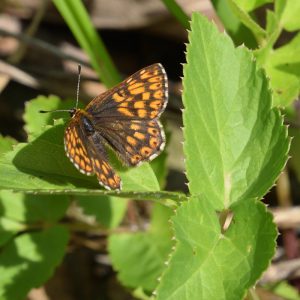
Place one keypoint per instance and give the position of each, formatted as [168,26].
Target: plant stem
[177,12]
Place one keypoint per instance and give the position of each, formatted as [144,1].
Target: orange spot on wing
[132,141]
[153,114]
[153,142]
[81,151]
[97,163]
[72,152]
[155,79]
[146,151]
[135,126]
[155,86]
[117,97]
[129,149]
[112,183]
[153,131]
[142,113]
[105,170]
[134,86]
[155,104]
[146,96]
[139,104]
[88,168]
[124,104]
[103,178]
[117,179]
[157,94]
[135,159]
[139,90]
[82,164]
[77,159]
[125,111]
[145,75]
[139,136]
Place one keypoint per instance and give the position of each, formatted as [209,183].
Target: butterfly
[125,119]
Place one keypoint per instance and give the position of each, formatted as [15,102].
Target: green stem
[78,20]
[177,12]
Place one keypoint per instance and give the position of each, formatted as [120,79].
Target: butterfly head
[72,111]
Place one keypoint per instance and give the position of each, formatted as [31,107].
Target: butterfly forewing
[143,95]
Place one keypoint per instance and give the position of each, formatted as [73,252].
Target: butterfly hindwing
[88,154]
[76,148]
[135,141]
[102,168]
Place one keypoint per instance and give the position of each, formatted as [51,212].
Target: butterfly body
[124,118]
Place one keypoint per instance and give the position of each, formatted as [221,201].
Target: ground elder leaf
[209,264]
[108,211]
[36,122]
[139,257]
[235,144]
[282,66]
[27,261]
[6,144]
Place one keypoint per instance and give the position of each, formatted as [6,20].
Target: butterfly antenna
[78,85]
[77,97]
[55,110]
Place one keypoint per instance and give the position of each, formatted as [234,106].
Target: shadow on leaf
[45,158]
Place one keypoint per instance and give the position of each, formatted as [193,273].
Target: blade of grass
[177,12]
[77,18]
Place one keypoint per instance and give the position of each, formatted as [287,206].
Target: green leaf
[35,122]
[284,290]
[28,261]
[235,144]
[290,17]
[139,257]
[32,208]
[211,264]
[18,210]
[6,144]
[249,5]
[294,161]
[108,211]
[42,164]
[8,228]
[246,19]
[237,31]
[283,68]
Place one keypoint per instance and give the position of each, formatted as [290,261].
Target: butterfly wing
[126,116]
[142,96]
[88,154]
[135,141]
